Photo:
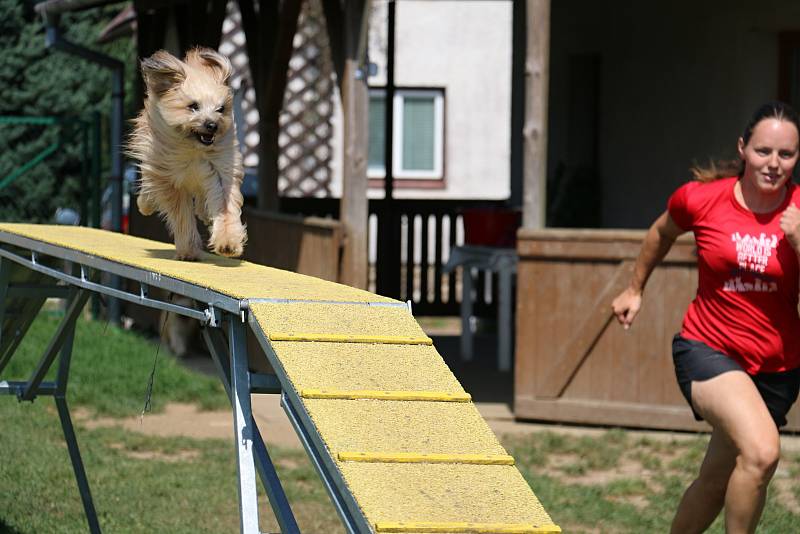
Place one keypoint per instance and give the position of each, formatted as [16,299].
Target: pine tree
[35,81]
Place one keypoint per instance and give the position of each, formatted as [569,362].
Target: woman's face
[770,155]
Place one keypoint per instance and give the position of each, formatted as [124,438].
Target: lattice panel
[306,128]
[233,45]
[306,120]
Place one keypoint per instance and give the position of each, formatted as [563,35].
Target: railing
[86,130]
[425,232]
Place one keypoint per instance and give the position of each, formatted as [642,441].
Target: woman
[738,353]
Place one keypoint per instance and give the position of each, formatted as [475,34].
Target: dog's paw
[145,206]
[231,249]
[228,239]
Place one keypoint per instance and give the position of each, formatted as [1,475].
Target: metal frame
[225,320]
[60,346]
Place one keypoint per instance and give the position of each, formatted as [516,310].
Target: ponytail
[726,168]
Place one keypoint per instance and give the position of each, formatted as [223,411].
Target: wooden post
[355,106]
[536,105]
[269,29]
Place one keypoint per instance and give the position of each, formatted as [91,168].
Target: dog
[189,160]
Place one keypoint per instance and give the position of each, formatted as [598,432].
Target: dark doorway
[789,68]
[574,191]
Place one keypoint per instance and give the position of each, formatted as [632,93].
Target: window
[418,133]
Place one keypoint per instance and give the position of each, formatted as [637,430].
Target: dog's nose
[211,126]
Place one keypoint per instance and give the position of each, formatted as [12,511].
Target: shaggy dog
[185,142]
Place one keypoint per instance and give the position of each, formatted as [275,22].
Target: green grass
[615,482]
[139,483]
[110,369]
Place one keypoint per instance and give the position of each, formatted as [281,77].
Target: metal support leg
[67,325]
[5,279]
[266,469]
[504,315]
[77,465]
[243,427]
[18,330]
[466,313]
[69,432]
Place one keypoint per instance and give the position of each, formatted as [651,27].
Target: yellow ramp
[409,445]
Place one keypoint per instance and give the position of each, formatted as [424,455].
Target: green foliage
[35,81]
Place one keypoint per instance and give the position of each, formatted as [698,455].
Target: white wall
[679,80]
[465,49]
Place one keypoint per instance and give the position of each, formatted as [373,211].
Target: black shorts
[696,361]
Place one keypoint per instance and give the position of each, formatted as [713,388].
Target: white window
[418,133]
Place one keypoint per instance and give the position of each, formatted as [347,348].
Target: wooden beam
[355,105]
[333,23]
[536,105]
[269,31]
[253,38]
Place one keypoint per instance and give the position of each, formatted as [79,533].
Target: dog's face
[192,95]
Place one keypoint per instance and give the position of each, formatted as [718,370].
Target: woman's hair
[724,168]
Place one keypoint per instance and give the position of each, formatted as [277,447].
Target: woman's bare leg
[731,403]
[704,498]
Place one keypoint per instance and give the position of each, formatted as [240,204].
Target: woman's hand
[790,224]
[627,304]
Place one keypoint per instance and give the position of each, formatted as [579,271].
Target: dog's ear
[161,72]
[211,59]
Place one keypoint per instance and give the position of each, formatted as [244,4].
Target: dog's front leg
[224,205]
[179,212]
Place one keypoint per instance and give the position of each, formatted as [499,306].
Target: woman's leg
[731,403]
[705,497]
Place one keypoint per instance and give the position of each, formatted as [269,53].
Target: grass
[615,482]
[139,483]
[618,483]
[110,369]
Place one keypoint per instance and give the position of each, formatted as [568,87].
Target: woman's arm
[659,239]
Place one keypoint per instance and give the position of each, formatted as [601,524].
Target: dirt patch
[783,488]
[186,420]
[639,502]
[178,456]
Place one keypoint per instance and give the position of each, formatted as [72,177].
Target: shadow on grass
[5,529]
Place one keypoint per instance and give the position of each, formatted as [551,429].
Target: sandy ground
[491,389]
[185,420]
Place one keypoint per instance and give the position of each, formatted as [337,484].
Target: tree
[35,81]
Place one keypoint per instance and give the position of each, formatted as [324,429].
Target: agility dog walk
[397,441]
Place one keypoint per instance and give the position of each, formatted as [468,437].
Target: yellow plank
[345,338]
[408,457]
[434,396]
[233,277]
[337,319]
[443,493]
[466,528]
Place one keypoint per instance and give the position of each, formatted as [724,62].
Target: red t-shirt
[746,303]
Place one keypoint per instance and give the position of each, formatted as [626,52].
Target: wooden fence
[306,245]
[574,363]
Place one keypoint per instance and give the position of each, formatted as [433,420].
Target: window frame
[437,173]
